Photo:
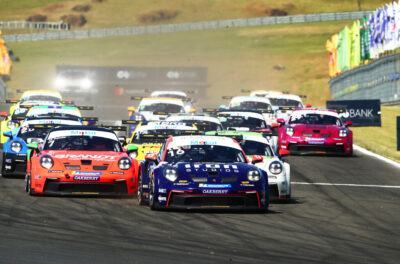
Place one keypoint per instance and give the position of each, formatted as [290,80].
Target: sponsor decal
[83,132]
[162,199]
[116,172]
[315,141]
[151,152]
[162,190]
[87,173]
[247,185]
[56,171]
[181,183]
[202,142]
[38,177]
[86,156]
[214,191]
[86,178]
[211,185]
[212,167]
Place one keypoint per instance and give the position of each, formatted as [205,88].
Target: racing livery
[155,109]
[178,95]
[203,122]
[313,130]
[202,172]
[32,130]
[20,108]
[278,171]
[81,160]
[149,136]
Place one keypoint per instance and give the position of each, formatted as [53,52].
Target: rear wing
[10,101]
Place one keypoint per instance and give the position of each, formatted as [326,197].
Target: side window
[160,154]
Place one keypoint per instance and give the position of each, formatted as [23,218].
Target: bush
[37,18]
[74,20]
[277,12]
[81,8]
[157,16]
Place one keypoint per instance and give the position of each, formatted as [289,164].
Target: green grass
[114,13]
[381,140]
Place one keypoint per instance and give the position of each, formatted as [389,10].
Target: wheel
[141,200]
[28,187]
[27,180]
[152,199]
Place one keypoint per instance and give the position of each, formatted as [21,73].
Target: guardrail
[379,79]
[205,25]
[34,25]
[3,89]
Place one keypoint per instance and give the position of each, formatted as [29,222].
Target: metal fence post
[398,133]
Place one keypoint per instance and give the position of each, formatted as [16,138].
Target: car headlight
[289,131]
[342,133]
[171,174]
[253,175]
[16,146]
[10,124]
[59,82]
[275,167]
[133,154]
[46,161]
[124,163]
[86,83]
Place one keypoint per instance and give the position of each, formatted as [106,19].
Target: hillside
[114,13]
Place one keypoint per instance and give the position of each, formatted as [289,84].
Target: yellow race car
[149,136]
[20,108]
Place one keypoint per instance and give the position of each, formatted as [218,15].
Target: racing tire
[152,200]
[140,198]
[28,187]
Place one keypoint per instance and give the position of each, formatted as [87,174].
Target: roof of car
[316,111]
[250,99]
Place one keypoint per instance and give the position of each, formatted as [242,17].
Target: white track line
[369,153]
[347,184]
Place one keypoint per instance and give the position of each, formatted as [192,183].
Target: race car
[278,171]
[178,95]
[31,130]
[254,103]
[318,131]
[81,160]
[284,104]
[155,109]
[202,121]
[149,136]
[20,107]
[62,111]
[202,172]
[77,81]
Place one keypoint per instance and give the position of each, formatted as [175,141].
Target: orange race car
[81,160]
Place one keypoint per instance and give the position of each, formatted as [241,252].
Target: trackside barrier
[205,25]
[34,25]
[3,89]
[379,79]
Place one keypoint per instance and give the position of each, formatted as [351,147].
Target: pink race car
[317,131]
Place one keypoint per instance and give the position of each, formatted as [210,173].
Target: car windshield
[82,142]
[250,105]
[315,119]
[243,121]
[155,135]
[285,102]
[19,113]
[29,134]
[251,147]
[162,107]
[204,153]
[57,114]
[203,125]
[169,95]
[41,98]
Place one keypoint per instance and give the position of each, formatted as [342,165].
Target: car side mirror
[280,121]
[274,125]
[3,114]
[349,123]
[308,105]
[284,152]
[33,145]
[151,157]
[7,134]
[132,151]
[256,159]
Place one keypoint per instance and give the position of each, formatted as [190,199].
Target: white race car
[254,103]
[203,122]
[155,109]
[178,95]
[284,104]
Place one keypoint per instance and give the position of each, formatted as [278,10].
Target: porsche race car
[31,130]
[203,122]
[178,95]
[149,136]
[202,172]
[318,131]
[81,160]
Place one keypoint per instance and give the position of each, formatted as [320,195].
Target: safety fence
[28,25]
[379,79]
[206,25]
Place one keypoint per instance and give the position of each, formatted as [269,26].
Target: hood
[149,116]
[75,157]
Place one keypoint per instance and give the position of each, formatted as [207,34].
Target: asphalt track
[323,223]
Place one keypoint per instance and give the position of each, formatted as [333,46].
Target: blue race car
[31,130]
[202,172]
